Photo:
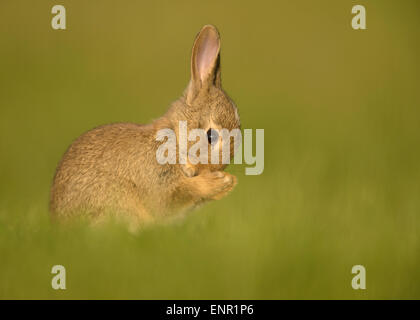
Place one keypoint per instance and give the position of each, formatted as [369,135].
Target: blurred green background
[340,110]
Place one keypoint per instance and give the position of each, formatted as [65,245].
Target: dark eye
[212,136]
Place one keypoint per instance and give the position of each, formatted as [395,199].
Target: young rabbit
[113,170]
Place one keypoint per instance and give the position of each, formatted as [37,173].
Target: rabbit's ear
[205,61]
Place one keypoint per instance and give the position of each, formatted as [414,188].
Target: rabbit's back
[110,167]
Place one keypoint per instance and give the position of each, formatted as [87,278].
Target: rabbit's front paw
[218,184]
[189,170]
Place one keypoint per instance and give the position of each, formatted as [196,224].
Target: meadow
[340,111]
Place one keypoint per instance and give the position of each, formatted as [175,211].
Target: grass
[341,185]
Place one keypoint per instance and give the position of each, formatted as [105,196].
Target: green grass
[340,110]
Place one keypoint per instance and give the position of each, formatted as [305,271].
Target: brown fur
[112,170]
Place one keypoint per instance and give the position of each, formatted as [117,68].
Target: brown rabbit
[112,170]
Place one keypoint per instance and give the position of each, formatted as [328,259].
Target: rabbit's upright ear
[205,61]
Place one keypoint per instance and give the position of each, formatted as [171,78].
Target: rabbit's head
[204,104]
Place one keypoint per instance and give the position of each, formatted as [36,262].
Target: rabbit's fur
[112,170]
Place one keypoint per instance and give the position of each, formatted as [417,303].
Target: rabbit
[112,170]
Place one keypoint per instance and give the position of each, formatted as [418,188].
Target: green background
[340,110]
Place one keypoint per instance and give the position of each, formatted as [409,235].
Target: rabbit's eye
[212,136]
